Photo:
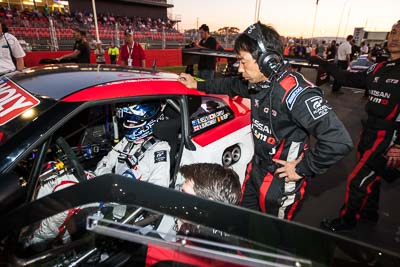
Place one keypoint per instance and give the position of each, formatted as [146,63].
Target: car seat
[169,131]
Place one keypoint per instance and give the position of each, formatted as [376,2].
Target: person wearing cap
[99,53]
[132,53]
[81,50]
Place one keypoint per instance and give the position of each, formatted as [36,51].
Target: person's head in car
[211,181]
[138,119]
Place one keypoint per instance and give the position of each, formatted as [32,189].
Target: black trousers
[363,183]
[263,191]
[113,59]
[337,85]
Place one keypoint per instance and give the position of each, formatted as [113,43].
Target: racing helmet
[139,119]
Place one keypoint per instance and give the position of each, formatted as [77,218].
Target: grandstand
[48,28]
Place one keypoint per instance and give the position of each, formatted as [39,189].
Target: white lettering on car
[14,101]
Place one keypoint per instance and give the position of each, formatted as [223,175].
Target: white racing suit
[152,166]
[54,226]
[151,163]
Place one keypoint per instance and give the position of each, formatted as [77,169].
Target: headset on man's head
[270,61]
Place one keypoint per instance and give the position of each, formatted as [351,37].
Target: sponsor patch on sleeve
[160,156]
[317,107]
[291,98]
[14,101]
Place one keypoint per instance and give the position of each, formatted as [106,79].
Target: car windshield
[122,215]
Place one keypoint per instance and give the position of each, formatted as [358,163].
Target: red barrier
[166,57]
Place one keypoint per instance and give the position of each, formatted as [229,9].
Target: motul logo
[14,101]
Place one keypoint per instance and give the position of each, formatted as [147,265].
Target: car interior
[76,147]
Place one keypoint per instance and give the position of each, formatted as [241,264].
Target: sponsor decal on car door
[14,101]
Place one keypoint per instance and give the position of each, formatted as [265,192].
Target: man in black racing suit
[286,109]
[379,146]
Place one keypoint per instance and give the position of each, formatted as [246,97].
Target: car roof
[58,81]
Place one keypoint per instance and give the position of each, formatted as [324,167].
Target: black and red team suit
[379,133]
[284,114]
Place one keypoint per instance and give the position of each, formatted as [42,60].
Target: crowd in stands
[35,18]
[145,28]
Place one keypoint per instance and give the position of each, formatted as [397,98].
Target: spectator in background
[132,53]
[81,50]
[381,53]
[46,11]
[364,48]
[344,52]
[10,51]
[300,50]
[113,52]
[355,50]
[321,49]
[206,66]
[308,51]
[99,53]
[331,51]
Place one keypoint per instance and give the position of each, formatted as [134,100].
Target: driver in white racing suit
[139,155]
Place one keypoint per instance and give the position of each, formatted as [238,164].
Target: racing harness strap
[133,160]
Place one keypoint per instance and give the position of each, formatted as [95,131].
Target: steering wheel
[72,159]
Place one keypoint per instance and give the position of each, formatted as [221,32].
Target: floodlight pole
[340,20]
[95,21]
[315,19]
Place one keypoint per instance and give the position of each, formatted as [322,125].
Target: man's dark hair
[80,31]
[204,27]
[213,181]
[349,37]
[248,44]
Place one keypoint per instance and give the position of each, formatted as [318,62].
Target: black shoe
[337,225]
[337,92]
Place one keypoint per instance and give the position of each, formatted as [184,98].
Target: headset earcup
[269,62]
[261,63]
